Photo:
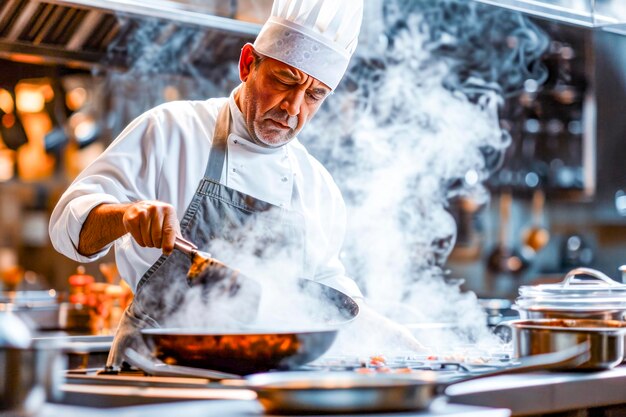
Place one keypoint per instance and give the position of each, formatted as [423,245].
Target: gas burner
[449,364]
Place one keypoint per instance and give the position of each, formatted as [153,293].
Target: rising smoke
[415,114]
[164,62]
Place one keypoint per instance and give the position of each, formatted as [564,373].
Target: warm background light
[30,100]
[6,101]
[76,98]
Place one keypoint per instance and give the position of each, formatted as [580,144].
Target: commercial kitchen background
[79,71]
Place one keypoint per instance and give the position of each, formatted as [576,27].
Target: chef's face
[277,100]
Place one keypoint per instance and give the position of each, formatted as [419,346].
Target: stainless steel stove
[411,363]
[129,386]
[550,391]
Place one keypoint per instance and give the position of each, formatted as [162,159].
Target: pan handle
[570,278]
[158,368]
[185,246]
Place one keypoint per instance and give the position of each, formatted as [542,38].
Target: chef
[204,169]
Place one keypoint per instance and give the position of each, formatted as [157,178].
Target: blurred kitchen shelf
[172,11]
[103,34]
[588,13]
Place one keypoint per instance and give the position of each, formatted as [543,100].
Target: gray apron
[216,211]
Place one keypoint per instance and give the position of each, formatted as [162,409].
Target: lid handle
[594,273]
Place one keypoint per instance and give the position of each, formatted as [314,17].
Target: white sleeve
[127,171]
[332,272]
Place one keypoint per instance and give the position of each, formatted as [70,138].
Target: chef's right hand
[152,224]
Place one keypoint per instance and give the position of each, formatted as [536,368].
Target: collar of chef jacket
[264,173]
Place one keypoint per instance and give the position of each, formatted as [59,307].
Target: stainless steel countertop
[549,391]
[239,409]
[524,394]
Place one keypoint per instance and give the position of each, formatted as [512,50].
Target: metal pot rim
[565,307]
[193,331]
[556,325]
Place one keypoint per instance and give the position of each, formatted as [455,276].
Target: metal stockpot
[605,339]
[28,372]
[599,298]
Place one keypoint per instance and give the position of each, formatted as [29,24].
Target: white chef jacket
[162,155]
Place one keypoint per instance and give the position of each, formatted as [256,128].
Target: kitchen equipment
[536,237]
[596,297]
[497,310]
[253,349]
[324,392]
[504,258]
[581,13]
[575,251]
[81,352]
[11,128]
[28,370]
[349,392]
[605,338]
[158,368]
[39,309]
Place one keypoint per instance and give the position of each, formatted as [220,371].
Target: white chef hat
[317,37]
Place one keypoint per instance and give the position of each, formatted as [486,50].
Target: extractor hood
[87,33]
[606,14]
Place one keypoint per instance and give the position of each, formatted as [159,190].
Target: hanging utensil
[56,139]
[536,237]
[11,128]
[504,258]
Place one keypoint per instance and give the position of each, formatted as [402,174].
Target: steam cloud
[164,64]
[413,125]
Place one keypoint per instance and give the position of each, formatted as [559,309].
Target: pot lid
[595,291]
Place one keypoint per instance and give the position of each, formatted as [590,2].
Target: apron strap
[215,166]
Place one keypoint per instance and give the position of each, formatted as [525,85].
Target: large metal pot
[597,297]
[605,339]
[249,349]
[29,371]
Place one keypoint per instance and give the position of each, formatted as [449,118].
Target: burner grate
[453,364]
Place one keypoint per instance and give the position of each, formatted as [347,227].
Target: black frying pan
[252,350]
